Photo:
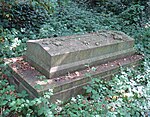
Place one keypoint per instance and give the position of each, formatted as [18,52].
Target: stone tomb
[65,64]
[58,56]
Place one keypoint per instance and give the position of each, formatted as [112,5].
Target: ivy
[126,94]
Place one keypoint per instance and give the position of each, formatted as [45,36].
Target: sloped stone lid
[60,55]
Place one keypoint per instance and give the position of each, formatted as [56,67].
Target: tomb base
[26,77]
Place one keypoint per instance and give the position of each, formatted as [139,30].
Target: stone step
[57,56]
[26,77]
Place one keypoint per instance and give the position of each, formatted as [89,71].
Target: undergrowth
[126,94]
[68,20]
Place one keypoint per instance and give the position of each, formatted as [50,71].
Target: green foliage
[6,95]
[28,14]
[10,44]
[17,104]
[82,107]
[143,42]
[133,14]
[70,20]
[29,23]
[22,16]
[126,94]
[124,3]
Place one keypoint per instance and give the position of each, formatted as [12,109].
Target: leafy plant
[124,95]
[12,103]
[133,14]
[127,94]
[10,44]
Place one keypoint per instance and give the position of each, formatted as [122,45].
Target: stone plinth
[26,77]
[58,56]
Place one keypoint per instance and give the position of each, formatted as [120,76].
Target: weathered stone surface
[58,56]
[25,77]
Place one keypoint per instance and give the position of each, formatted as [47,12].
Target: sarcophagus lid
[62,55]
